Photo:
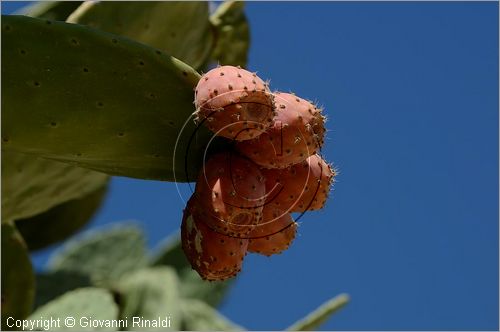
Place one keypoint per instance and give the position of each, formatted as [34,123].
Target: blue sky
[411,229]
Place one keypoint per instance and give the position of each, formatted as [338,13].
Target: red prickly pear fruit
[231,190]
[213,255]
[297,132]
[274,233]
[234,103]
[301,187]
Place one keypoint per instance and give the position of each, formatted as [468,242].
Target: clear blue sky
[411,230]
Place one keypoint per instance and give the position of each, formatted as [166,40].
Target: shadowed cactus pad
[18,281]
[32,185]
[179,28]
[50,285]
[61,221]
[50,10]
[233,34]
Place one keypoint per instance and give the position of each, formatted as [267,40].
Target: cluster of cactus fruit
[72,119]
[244,195]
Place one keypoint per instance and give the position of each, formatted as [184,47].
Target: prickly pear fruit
[301,187]
[213,255]
[234,103]
[297,132]
[232,190]
[274,234]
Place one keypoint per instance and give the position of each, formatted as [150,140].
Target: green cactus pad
[170,253]
[232,34]
[199,316]
[314,320]
[82,305]
[150,293]
[50,285]
[51,10]
[33,185]
[104,255]
[97,100]
[61,221]
[18,281]
[180,28]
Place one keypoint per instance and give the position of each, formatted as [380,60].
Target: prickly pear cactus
[93,89]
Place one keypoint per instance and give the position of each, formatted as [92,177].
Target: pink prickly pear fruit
[273,234]
[232,190]
[296,133]
[213,255]
[300,187]
[234,103]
